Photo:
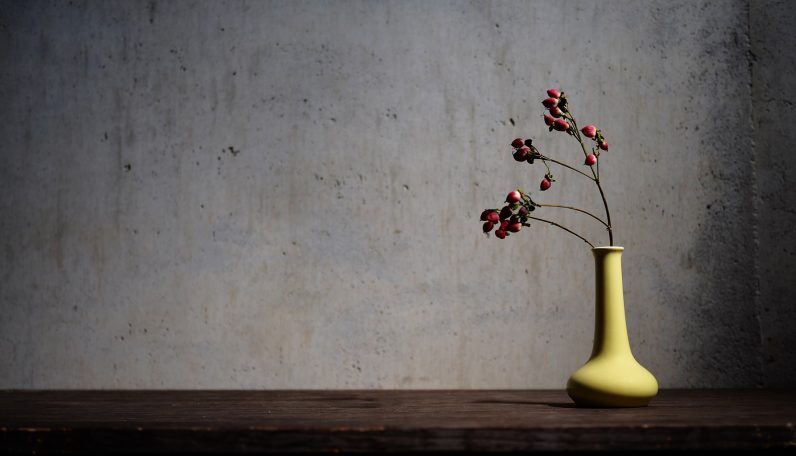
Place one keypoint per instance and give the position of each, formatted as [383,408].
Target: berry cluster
[556,104]
[524,151]
[512,217]
[592,132]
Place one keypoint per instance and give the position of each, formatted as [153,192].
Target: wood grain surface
[331,421]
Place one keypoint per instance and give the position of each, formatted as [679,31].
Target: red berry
[561,125]
[523,211]
[515,227]
[522,153]
[505,213]
[545,184]
[513,197]
[503,225]
[554,93]
[591,160]
[488,226]
[500,234]
[555,111]
[604,145]
[548,120]
[493,217]
[484,214]
[550,102]
[517,143]
[589,131]
[529,142]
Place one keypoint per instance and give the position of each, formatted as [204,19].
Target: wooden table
[326,421]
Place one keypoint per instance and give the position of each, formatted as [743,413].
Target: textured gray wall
[286,194]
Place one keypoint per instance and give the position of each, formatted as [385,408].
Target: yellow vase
[611,377]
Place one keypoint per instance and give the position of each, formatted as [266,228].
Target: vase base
[585,396]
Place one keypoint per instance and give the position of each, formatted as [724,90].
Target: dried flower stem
[563,228]
[545,158]
[575,209]
[576,134]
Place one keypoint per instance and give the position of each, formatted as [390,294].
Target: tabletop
[394,420]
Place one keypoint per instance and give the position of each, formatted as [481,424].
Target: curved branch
[596,179]
[545,158]
[563,228]
[576,209]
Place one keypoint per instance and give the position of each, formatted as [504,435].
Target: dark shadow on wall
[773,65]
[740,328]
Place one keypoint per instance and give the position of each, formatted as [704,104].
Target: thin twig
[563,228]
[596,179]
[575,209]
[545,158]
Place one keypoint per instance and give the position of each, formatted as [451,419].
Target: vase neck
[610,330]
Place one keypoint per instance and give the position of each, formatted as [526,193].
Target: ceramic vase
[611,377]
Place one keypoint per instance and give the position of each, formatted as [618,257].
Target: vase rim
[612,248]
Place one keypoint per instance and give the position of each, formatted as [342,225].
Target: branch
[575,209]
[563,228]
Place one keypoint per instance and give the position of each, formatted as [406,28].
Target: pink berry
[604,145]
[548,120]
[493,217]
[591,160]
[488,226]
[517,143]
[555,111]
[513,197]
[522,153]
[515,227]
[554,93]
[550,102]
[500,234]
[561,125]
[545,184]
[589,131]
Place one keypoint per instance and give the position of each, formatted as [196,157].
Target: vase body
[611,377]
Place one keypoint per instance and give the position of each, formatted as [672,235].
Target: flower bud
[492,217]
[500,234]
[550,102]
[591,160]
[555,112]
[604,145]
[522,153]
[589,131]
[545,184]
[561,125]
[488,226]
[548,120]
[553,93]
[513,197]
[517,143]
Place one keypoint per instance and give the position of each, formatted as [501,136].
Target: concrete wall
[286,194]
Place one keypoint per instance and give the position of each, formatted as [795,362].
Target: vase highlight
[611,377]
